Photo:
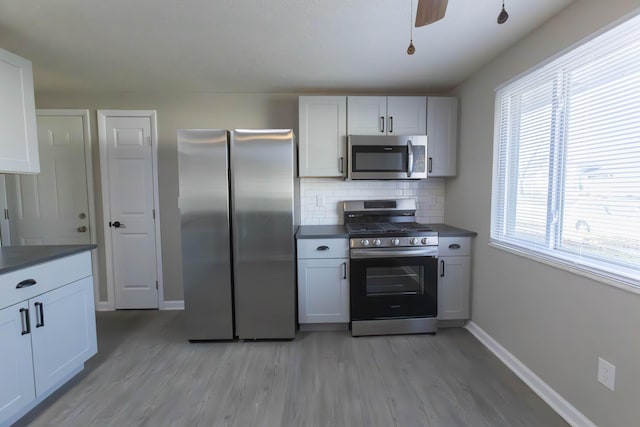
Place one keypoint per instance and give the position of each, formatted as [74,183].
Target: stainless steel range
[394,268]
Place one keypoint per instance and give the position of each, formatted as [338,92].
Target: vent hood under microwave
[387,157]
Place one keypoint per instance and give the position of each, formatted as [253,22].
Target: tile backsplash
[321,198]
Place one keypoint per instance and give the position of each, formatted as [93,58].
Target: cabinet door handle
[40,312]
[322,248]
[344,270]
[341,164]
[430,164]
[441,268]
[24,319]
[390,124]
[26,283]
[454,246]
[381,124]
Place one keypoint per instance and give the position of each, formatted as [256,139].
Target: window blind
[567,157]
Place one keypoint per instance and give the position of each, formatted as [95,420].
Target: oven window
[400,280]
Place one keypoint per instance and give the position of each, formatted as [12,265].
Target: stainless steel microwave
[387,157]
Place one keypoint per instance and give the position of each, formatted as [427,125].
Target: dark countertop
[338,231]
[17,257]
[321,231]
[445,230]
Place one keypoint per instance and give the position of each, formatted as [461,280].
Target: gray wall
[175,111]
[556,322]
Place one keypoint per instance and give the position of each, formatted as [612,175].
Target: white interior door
[127,155]
[52,207]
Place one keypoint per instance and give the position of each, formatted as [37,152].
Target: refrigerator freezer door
[203,158]
[262,187]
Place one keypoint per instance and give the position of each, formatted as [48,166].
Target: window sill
[594,274]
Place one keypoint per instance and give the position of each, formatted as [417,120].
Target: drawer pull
[454,246]
[25,283]
[39,322]
[26,323]
[322,248]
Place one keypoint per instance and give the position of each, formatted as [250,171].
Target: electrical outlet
[319,200]
[606,373]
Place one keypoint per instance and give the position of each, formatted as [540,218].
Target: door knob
[82,229]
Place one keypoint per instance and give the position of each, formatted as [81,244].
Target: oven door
[393,284]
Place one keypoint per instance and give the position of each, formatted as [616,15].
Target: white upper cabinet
[323,136]
[442,136]
[387,115]
[18,132]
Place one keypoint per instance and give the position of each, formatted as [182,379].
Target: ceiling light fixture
[411,49]
[503,16]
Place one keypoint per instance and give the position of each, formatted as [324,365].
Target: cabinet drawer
[323,248]
[454,246]
[48,275]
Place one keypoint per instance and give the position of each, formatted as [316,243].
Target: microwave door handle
[409,158]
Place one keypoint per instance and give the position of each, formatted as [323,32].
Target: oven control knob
[395,242]
[364,242]
[414,241]
[377,242]
[424,240]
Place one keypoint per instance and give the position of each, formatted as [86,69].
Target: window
[567,158]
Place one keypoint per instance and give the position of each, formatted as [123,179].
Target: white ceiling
[258,45]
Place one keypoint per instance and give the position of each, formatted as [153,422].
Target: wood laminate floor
[147,374]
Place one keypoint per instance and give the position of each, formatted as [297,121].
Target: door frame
[88,169]
[110,304]
[88,163]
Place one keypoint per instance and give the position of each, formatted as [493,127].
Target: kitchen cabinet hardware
[322,248]
[82,229]
[26,283]
[344,270]
[390,124]
[381,124]
[82,215]
[454,246]
[39,314]
[341,164]
[441,268]
[26,323]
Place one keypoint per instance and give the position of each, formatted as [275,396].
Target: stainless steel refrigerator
[237,198]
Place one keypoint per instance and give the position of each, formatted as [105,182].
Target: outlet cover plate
[606,374]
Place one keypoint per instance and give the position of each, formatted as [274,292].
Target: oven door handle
[393,252]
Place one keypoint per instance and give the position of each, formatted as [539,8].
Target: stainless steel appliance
[238,219]
[387,157]
[394,268]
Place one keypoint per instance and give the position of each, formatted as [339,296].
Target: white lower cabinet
[16,368]
[64,335]
[454,278]
[46,338]
[453,287]
[323,281]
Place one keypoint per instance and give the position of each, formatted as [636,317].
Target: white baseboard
[173,305]
[559,404]
[104,306]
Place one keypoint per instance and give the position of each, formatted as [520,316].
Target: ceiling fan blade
[430,11]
